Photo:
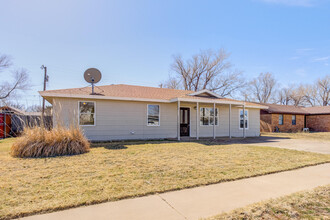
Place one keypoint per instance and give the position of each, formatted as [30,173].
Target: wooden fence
[12,125]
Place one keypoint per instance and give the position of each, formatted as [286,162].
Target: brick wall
[272,120]
[287,123]
[318,122]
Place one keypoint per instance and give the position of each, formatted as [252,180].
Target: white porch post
[229,120]
[178,121]
[213,120]
[197,121]
[243,120]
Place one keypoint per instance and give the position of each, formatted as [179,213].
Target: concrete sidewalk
[201,201]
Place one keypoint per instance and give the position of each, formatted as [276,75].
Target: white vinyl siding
[124,120]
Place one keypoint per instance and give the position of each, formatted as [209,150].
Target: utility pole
[43,99]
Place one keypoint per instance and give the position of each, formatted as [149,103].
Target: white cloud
[320,59]
[304,51]
[304,3]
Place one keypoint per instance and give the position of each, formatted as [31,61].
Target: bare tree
[5,62]
[13,104]
[20,79]
[34,108]
[306,95]
[323,87]
[262,88]
[310,95]
[228,84]
[205,70]
[284,96]
[171,83]
[298,95]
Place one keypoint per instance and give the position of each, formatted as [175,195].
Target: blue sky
[133,42]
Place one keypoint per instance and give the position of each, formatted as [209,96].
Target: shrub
[59,141]
[265,127]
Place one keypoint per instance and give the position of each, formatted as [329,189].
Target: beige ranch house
[121,112]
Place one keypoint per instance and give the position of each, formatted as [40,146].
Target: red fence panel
[2,125]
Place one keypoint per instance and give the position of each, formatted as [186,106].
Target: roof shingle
[121,90]
[318,110]
[290,109]
[138,92]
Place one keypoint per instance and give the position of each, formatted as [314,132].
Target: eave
[50,96]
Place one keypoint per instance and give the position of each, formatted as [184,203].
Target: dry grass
[313,204]
[113,171]
[5,144]
[265,127]
[59,141]
[320,136]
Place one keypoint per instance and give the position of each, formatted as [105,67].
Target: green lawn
[314,204]
[113,171]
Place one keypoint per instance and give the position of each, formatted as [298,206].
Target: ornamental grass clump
[41,142]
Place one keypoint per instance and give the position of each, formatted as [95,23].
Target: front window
[206,116]
[280,119]
[241,119]
[293,120]
[153,115]
[86,113]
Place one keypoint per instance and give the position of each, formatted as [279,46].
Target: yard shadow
[115,147]
[122,145]
[109,146]
[238,140]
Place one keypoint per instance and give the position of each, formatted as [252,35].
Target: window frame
[239,119]
[200,116]
[94,113]
[158,116]
[279,119]
[295,120]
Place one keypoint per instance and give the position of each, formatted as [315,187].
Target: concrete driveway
[316,146]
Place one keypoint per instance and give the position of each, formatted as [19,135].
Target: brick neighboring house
[289,118]
[318,118]
[285,117]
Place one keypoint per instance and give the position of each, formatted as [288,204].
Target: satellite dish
[92,75]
